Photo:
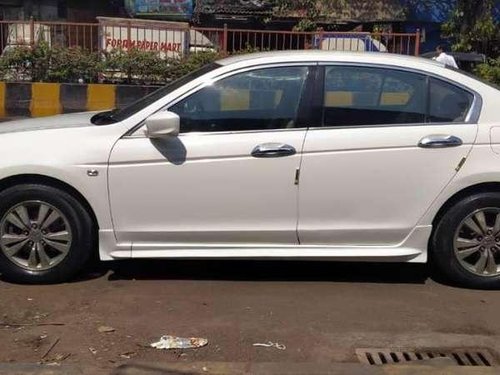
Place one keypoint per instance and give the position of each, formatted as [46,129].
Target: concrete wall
[46,99]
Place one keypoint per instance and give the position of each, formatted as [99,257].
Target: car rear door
[387,142]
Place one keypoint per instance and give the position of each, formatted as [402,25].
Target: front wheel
[466,242]
[45,234]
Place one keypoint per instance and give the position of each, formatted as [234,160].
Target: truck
[169,39]
[352,42]
[19,34]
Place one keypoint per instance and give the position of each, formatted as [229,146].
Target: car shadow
[268,270]
[172,149]
[257,270]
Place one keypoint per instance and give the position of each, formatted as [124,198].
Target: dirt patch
[321,312]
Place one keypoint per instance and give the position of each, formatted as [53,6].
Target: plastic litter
[271,344]
[128,355]
[173,342]
[105,329]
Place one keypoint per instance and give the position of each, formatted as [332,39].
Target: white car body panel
[481,166]
[243,219]
[64,148]
[388,185]
[220,193]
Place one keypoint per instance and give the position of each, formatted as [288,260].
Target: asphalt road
[321,312]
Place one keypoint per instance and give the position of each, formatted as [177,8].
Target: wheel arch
[485,187]
[53,182]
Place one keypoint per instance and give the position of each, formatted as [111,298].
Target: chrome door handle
[273,150]
[440,141]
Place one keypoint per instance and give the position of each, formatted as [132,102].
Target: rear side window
[358,96]
[448,103]
[370,96]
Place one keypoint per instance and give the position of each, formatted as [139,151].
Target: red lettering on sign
[143,45]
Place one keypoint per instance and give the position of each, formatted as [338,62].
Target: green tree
[309,11]
[472,27]
[470,23]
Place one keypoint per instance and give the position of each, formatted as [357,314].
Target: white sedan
[296,155]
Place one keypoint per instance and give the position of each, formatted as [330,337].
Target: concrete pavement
[321,311]
[224,368]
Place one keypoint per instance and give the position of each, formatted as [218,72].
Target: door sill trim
[214,251]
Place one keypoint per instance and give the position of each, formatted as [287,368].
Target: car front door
[387,143]
[228,178]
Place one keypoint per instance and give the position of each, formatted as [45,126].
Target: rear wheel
[45,234]
[466,242]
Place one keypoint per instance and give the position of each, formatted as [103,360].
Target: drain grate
[461,357]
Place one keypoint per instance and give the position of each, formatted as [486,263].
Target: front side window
[256,100]
[372,96]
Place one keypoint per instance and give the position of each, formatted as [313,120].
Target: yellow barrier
[45,99]
[100,97]
[3,112]
[347,98]
[338,98]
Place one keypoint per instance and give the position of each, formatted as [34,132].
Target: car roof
[328,56]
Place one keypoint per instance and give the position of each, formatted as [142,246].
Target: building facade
[60,10]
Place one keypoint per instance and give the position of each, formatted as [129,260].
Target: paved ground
[5,119]
[321,312]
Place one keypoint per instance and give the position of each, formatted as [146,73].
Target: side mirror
[162,124]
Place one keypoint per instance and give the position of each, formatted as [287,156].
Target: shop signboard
[173,9]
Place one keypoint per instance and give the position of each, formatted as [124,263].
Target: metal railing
[402,43]
[177,39]
[64,34]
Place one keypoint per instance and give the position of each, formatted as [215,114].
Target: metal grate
[459,357]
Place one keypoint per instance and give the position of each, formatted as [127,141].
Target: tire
[455,224]
[71,241]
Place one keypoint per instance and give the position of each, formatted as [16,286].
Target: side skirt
[413,249]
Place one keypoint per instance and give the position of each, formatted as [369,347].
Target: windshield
[117,115]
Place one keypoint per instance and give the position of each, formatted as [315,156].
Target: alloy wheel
[35,235]
[477,242]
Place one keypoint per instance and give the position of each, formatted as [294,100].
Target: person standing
[444,58]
